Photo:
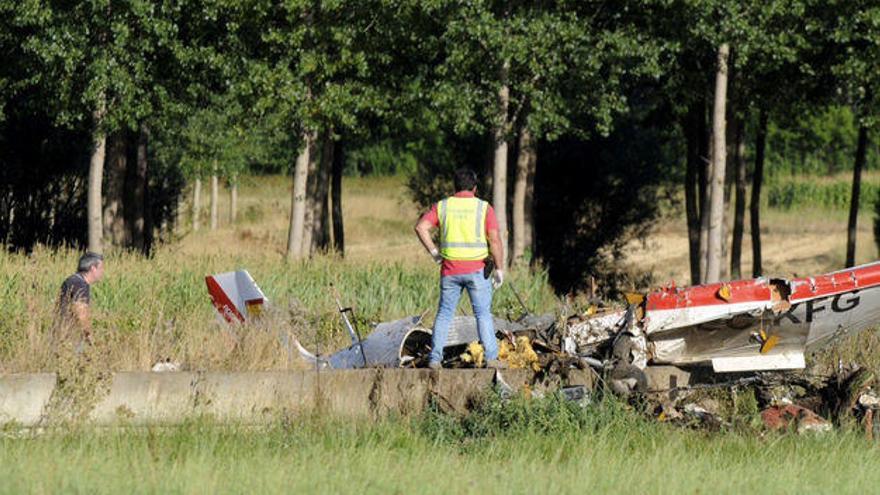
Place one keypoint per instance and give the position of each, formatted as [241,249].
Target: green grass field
[526,447]
[150,309]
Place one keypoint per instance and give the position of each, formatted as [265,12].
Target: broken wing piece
[744,325]
[695,326]
[235,295]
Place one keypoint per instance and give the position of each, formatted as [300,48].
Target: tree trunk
[149,221]
[705,182]
[311,202]
[135,206]
[336,199]
[96,177]
[298,200]
[729,165]
[321,230]
[725,223]
[695,136]
[755,204]
[523,167]
[114,192]
[197,203]
[529,230]
[739,213]
[861,152]
[499,168]
[704,173]
[719,152]
[215,196]
[233,201]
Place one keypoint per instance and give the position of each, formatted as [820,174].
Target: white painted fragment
[783,361]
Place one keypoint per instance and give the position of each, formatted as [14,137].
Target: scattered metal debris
[663,347]
[795,417]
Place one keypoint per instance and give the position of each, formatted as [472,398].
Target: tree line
[120,103]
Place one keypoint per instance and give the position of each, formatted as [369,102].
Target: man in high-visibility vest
[468,234]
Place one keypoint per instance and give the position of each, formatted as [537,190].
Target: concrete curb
[24,397]
[142,398]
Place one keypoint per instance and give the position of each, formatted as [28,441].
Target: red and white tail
[235,295]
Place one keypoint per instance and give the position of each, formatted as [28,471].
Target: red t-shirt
[460,267]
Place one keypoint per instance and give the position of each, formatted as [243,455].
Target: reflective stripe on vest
[463,228]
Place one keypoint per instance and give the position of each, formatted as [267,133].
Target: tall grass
[546,446]
[150,309]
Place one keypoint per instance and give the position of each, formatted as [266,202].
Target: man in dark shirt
[73,304]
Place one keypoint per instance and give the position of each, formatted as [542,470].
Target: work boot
[496,364]
[435,365]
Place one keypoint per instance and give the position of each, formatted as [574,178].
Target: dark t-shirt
[74,289]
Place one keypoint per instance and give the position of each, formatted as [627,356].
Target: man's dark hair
[465,179]
[88,260]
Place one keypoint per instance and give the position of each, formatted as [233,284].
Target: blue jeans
[480,291]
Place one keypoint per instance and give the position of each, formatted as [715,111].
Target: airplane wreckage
[726,329]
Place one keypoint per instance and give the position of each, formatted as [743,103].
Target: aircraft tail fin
[236,295]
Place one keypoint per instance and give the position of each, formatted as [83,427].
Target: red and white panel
[235,295]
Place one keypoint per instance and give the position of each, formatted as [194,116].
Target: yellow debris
[254,308]
[519,356]
[769,344]
[474,354]
[635,298]
[724,292]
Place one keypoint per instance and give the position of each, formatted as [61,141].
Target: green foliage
[854,28]
[769,42]
[520,415]
[411,86]
[547,55]
[817,142]
[225,140]
[318,65]
[98,58]
[812,192]
[381,158]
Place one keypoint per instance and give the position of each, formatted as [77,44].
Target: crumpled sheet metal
[584,336]
[385,347]
[804,326]
[696,325]
[464,328]
[672,308]
[390,343]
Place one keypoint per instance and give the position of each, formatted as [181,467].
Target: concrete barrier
[142,398]
[24,397]
[147,398]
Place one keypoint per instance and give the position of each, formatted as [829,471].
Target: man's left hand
[497,279]
[436,255]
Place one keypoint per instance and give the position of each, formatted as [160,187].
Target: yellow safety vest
[463,228]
